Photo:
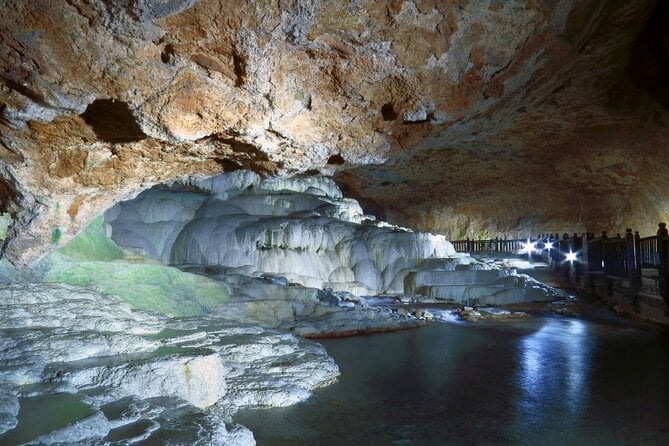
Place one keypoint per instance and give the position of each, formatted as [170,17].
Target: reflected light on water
[554,365]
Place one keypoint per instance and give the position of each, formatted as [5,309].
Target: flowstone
[142,373]
[304,230]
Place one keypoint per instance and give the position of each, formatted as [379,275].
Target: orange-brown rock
[470,118]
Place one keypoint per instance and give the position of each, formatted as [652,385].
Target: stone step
[476,294]
[417,279]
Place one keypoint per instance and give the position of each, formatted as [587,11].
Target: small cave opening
[649,60]
[7,196]
[168,54]
[112,121]
[388,112]
[239,64]
[336,160]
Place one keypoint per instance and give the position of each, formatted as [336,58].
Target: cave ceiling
[468,118]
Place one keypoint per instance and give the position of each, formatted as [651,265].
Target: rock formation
[138,374]
[302,230]
[272,253]
[488,116]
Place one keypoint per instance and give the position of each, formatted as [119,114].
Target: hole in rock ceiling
[388,112]
[168,54]
[240,69]
[8,197]
[649,61]
[228,165]
[112,121]
[336,160]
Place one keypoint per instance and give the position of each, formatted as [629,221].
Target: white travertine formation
[57,338]
[299,227]
[303,229]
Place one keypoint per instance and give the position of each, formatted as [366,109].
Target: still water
[547,381]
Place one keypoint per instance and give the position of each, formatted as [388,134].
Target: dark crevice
[245,156]
[240,69]
[8,153]
[228,165]
[240,147]
[420,121]
[25,91]
[388,112]
[112,121]
[8,196]
[168,54]
[336,160]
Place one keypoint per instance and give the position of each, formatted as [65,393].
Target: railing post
[663,273]
[637,249]
[663,246]
[632,270]
[577,246]
[586,263]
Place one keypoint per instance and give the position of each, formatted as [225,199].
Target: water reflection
[542,382]
[555,360]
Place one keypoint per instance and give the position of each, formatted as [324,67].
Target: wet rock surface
[140,373]
[470,314]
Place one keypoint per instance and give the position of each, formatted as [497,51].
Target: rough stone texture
[146,376]
[89,429]
[9,409]
[490,116]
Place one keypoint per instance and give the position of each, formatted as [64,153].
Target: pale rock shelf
[64,340]
[303,229]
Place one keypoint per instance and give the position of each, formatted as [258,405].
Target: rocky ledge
[138,375]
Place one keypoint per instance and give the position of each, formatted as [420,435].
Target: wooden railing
[493,245]
[620,257]
[615,259]
[595,256]
[648,254]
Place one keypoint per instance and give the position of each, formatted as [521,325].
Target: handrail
[605,255]
[613,257]
[648,252]
[490,245]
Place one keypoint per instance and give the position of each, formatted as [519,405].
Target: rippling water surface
[545,381]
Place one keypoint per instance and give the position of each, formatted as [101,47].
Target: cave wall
[464,117]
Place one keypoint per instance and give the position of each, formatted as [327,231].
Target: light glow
[571,256]
[556,356]
[548,245]
[529,247]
